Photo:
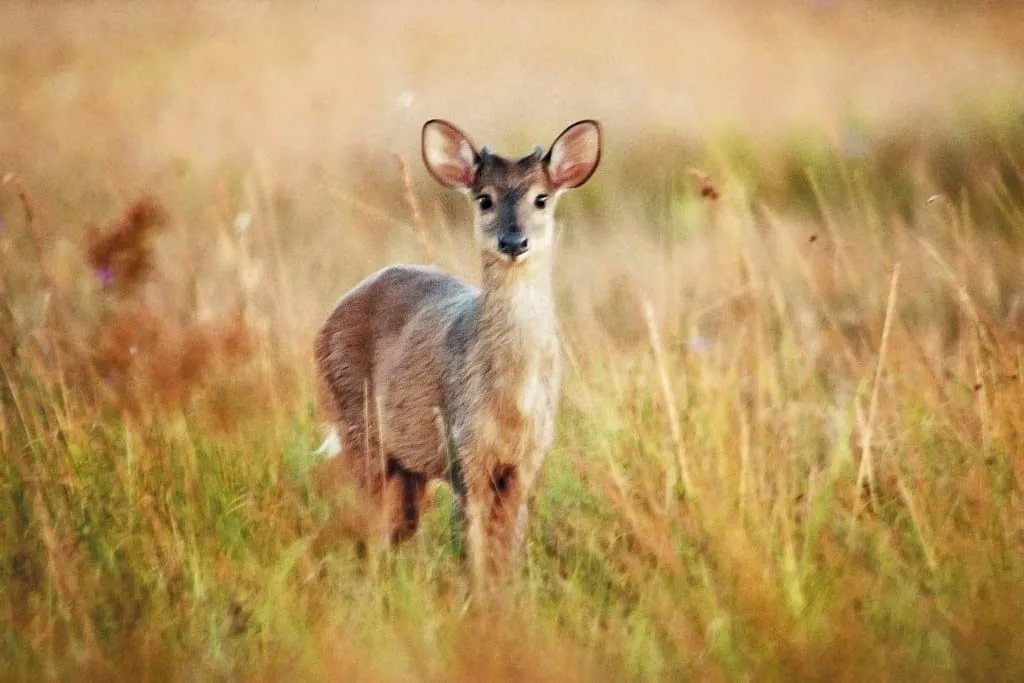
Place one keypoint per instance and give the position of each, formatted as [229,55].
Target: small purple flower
[105,274]
[698,344]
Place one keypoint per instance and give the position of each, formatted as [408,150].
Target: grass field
[791,441]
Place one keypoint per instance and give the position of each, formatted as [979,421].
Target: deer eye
[541,201]
[484,201]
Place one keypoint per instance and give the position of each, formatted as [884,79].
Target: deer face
[514,200]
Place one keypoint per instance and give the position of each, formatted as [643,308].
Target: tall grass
[791,443]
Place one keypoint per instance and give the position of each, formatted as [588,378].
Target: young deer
[426,377]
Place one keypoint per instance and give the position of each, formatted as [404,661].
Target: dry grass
[791,300]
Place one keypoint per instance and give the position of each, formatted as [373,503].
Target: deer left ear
[574,155]
[449,155]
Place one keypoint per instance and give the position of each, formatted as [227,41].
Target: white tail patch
[331,445]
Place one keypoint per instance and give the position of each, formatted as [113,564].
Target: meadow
[791,439]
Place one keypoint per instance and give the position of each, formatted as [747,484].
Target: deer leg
[404,491]
[507,523]
[374,499]
[496,513]
[352,491]
[475,513]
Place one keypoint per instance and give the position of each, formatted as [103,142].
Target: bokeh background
[791,443]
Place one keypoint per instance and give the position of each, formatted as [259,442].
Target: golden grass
[791,439]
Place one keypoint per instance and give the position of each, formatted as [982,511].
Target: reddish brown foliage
[122,255]
[146,346]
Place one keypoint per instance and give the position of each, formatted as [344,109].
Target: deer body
[426,377]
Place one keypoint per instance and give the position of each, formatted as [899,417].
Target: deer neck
[515,348]
[514,364]
[517,314]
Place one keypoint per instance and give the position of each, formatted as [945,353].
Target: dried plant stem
[980,333]
[19,189]
[414,207]
[15,181]
[866,473]
[916,520]
[681,467]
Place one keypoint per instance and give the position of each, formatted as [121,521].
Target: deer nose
[513,244]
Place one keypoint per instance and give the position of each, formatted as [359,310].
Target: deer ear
[449,155]
[574,155]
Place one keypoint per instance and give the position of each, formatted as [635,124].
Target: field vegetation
[791,441]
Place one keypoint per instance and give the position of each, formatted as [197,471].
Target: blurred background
[295,113]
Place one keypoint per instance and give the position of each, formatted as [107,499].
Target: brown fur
[425,377]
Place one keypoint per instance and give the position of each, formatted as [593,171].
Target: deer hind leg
[401,501]
[496,514]
[350,487]
[370,498]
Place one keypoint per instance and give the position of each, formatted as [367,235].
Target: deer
[424,377]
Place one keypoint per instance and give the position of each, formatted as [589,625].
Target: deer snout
[513,244]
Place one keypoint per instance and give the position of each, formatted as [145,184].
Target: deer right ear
[449,155]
